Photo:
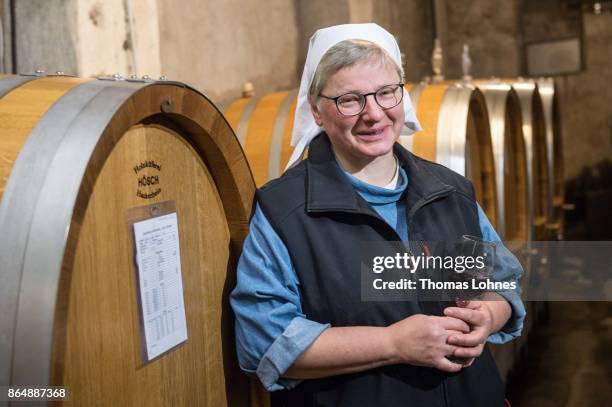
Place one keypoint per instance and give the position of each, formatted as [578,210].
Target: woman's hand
[422,340]
[418,340]
[471,345]
[484,317]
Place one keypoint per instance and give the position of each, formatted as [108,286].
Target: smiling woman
[311,338]
[362,131]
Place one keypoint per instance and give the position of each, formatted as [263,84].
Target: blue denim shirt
[272,331]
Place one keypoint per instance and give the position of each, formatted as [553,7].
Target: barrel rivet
[167,106]
[248,90]
[39,72]
[146,77]
[117,77]
[163,78]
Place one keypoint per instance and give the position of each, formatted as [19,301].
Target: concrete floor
[568,361]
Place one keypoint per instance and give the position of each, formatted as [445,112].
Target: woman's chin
[375,148]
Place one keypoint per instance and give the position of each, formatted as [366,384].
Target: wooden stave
[263,125]
[509,152]
[554,150]
[10,82]
[228,168]
[535,143]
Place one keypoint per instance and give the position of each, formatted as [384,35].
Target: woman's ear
[316,114]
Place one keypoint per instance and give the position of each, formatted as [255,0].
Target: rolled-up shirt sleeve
[271,329]
[507,268]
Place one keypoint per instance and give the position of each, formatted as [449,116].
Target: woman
[301,324]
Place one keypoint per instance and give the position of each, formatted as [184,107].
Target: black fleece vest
[322,221]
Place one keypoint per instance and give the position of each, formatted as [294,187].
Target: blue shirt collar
[378,195]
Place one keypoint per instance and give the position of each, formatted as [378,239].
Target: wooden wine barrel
[456,134]
[534,133]
[510,160]
[80,157]
[263,126]
[554,152]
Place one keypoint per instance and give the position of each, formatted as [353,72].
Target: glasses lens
[389,96]
[350,104]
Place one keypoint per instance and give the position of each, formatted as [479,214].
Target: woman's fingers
[471,316]
[474,338]
[471,304]
[472,352]
[455,324]
[448,366]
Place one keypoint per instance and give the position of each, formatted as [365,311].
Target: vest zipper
[420,204]
[442,193]
[421,245]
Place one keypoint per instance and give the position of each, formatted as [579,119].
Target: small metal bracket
[61,73]
[38,72]
[144,79]
[167,105]
[154,210]
[113,77]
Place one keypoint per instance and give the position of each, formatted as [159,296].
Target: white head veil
[304,126]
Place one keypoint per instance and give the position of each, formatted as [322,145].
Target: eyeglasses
[352,103]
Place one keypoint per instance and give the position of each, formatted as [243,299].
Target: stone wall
[409,21]
[490,28]
[87,37]
[586,101]
[217,45]
[45,36]
[6,43]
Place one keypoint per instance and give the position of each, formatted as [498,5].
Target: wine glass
[476,272]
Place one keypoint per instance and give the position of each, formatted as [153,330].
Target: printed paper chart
[161,288]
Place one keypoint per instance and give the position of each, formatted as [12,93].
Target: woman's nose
[372,110]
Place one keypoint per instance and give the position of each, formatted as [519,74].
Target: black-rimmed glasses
[353,103]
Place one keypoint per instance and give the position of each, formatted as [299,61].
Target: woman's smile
[373,134]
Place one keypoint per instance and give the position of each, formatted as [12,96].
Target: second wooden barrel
[456,134]
[263,126]
[534,133]
[510,160]
[84,159]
